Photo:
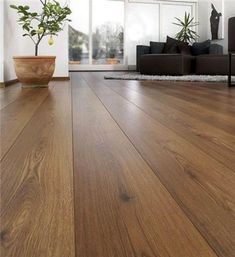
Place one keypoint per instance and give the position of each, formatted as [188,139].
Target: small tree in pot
[186,33]
[38,70]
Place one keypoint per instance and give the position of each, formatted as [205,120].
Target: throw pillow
[171,46]
[156,47]
[201,48]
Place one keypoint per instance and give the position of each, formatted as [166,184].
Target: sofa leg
[230,72]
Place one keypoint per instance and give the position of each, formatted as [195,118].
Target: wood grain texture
[122,209]
[214,141]
[36,183]
[16,115]
[148,166]
[9,95]
[200,184]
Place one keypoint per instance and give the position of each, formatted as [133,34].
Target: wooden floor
[105,168]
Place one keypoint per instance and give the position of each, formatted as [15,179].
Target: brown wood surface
[36,180]
[122,209]
[212,140]
[118,169]
[9,95]
[200,184]
[16,115]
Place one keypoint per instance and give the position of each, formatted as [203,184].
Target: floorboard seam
[73,172]
[175,132]
[11,102]
[149,165]
[3,157]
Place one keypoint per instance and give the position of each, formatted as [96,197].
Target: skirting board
[14,81]
[9,83]
[132,67]
[60,78]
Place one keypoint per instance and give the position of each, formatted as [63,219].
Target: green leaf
[34,14]
[51,18]
[14,6]
[186,34]
[33,33]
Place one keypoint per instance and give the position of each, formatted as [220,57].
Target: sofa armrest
[216,49]
[141,50]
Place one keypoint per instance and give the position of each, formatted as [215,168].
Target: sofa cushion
[171,46]
[156,47]
[214,64]
[201,48]
[174,46]
[216,49]
[166,64]
[184,48]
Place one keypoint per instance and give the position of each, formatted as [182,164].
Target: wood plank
[36,183]
[215,142]
[121,208]
[209,101]
[6,88]
[10,95]
[219,90]
[215,118]
[16,115]
[201,185]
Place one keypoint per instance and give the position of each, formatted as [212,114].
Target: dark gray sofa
[213,63]
[166,64]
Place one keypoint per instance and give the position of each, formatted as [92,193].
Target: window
[96,33]
[79,32]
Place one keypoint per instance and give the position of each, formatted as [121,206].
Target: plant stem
[37,44]
[36,50]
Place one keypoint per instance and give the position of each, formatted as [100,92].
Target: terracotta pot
[112,61]
[74,62]
[34,71]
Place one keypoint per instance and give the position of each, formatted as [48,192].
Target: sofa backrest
[231,34]
[156,47]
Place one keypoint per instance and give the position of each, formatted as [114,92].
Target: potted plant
[35,71]
[111,56]
[113,43]
[186,34]
[77,40]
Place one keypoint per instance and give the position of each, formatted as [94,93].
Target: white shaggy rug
[198,78]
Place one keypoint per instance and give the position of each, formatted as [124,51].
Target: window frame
[94,67]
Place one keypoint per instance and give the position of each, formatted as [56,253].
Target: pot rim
[35,57]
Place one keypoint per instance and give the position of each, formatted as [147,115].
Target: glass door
[79,48]
[96,35]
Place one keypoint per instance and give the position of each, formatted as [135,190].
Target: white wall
[204,20]
[148,20]
[1,42]
[143,21]
[142,26]
[15,44]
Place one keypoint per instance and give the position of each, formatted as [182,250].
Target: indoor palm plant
[38,70]
[186,34]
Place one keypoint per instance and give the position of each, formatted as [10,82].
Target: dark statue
[215,20]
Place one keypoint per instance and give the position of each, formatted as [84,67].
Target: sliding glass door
[96,34]
[79,32]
